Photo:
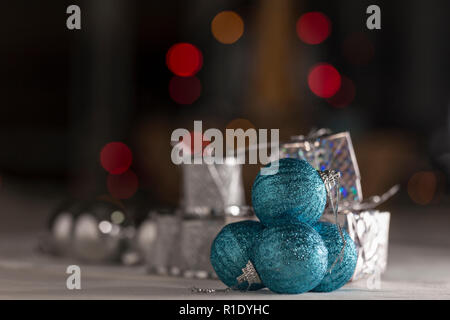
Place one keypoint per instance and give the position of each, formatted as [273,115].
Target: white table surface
[413,273]
[418,264]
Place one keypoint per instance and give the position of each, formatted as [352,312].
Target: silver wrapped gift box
[369,228]
[179,244]
[213,196]
[212,188]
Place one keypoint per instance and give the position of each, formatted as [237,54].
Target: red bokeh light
[188,142]
[116,157]
[324,80]
[184,59]
[313,27]
[122,186]
[345,94]
[185,90]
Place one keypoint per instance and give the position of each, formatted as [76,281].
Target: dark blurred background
[65,94]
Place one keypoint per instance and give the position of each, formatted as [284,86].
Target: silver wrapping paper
[180,244]
[212,188]
[369,230]
[194,245]
[159,236]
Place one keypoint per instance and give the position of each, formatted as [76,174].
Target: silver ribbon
[370,203]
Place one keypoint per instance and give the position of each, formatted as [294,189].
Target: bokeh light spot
[184,59]
[185,90]
[240,123]
[345,94]
[117,217]
[105,226]
[324,80]
[313,27]
[358,49]
[235,124]
[227,27]
[422,187]
[116,157]
[122,186]
[189,143]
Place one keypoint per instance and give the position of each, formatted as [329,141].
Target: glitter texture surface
[231,251]
[290,258]
[329,152]
[296,193]
[343,270]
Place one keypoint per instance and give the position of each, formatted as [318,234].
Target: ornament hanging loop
[331,180]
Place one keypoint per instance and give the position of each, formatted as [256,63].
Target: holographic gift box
[326,151]
[369,228]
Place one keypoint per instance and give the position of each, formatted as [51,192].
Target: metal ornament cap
[249,275]
[231,251]
[330,178]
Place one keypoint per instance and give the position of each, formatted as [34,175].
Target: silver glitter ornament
[61,223]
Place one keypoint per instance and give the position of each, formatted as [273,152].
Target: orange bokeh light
[227,27]
[422,187]
[240,123]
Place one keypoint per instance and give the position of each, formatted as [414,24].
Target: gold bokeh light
[227,27]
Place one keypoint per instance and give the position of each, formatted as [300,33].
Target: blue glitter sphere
[295,193]
[290,258]
[230,252]
[343,270]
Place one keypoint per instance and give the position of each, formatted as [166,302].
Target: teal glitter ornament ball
[230,252]
[295,193]
[290,258]
[343,270]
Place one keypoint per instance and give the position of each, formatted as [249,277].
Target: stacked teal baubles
[296,193]
[290,252]
[231,250]
[341,268]
[290,258]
